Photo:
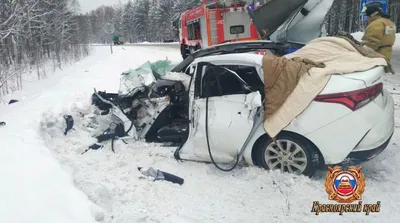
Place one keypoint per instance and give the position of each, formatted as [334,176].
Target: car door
[230,105]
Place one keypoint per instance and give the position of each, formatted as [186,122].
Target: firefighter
[380,33]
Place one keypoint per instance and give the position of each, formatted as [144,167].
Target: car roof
[247,58]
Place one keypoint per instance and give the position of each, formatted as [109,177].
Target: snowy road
[112,182]
[163,45]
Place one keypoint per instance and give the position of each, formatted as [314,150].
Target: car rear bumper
[377,138]
[363,130]
[358,157]
[383,128]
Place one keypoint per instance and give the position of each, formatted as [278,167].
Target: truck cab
[214,22]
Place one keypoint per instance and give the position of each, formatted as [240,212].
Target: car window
[250,75]
[218,81]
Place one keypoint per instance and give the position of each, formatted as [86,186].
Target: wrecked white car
[329,105]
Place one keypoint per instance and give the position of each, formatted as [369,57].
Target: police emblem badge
[344,186]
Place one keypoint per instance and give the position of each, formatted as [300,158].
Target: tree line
[136,21]
[51,32]
[151,20]
[34,34]
[345,16]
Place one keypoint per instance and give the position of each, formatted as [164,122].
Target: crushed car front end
[150,108]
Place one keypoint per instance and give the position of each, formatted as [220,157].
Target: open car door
[224,105]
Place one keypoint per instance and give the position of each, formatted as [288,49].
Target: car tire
[296,154]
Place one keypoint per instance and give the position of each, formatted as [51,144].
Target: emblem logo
[344,186]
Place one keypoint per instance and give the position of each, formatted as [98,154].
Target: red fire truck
[214,22]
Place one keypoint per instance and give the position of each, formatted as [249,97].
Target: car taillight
[262,52]
[353,99]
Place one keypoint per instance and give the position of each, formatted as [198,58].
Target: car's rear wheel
[290,153]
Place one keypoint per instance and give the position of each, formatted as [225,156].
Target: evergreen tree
[164,16]
[153,22]
[141,22]
[127,22]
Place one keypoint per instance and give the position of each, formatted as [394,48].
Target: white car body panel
[347,130]
[309,26]
[227,116]
[307,19]
[337,84]
[231,115]
[369,77]
[383,128]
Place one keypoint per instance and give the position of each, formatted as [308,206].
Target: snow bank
[245,194]
[35,187]
[112,179]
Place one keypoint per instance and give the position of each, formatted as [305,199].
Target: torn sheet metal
[252,102]
[137,78]
[144,75]
[151,113]
[117,113]
[182,77]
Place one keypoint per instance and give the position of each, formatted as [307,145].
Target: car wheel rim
[286,156]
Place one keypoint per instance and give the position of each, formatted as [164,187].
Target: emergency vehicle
[215,22]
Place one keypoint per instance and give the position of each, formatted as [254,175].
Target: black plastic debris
[161,175]
[105,112]
[173,133]
[114,132]
[93,147]
[2,124]
[100,104]
[12,101]
[69,121]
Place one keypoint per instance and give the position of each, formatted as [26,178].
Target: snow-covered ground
[46,179]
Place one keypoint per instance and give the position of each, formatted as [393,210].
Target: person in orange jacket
[380,34]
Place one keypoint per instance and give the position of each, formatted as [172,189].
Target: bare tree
[32,33]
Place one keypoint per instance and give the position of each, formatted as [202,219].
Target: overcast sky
[88,5]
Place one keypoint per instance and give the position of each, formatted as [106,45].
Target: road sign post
[111,47]
[109,28]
